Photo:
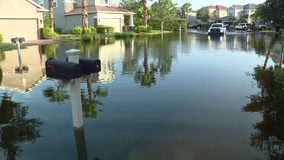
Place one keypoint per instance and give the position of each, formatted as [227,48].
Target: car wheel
[262,28]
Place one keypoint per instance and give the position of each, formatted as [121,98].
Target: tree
[145,14]
[84,15]
[132,5]
[164,10]
[59,95]
[186,8]
[241,20]
[203,14]
[50,4]
[231,18]
[46,21]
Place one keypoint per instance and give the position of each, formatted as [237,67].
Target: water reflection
[56,94]
[33,65]
[15,128]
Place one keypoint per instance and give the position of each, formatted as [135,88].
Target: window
[54,3]
[40,2]
[104,1]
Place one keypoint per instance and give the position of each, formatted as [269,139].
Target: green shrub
[45,33]
[172,25]
[67,31]
[57,30]
[125,28]
[149,28]
[124,35]
[88,30]
[105,29]
[140,29]
[87,38]
[1,38]
[78,31]
[281,31]
[53,34]
[93,29]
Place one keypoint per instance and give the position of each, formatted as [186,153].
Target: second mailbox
[62,70]
[89,65]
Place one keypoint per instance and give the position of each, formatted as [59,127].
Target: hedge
[105,29]
[172,25]
[1,37]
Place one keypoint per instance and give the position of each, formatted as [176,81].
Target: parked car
[227,25]
[242,26]
[217,28]
[195,25]
[262,26]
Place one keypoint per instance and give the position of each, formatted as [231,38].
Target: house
[68,13]
[22,18]
[217,11]
[243,11]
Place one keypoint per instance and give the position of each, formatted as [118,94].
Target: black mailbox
[62,70]
[89,65]
[22,39]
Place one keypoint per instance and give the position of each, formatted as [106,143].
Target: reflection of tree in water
[269,102]
[15,128]
[90,101]
[50,50]
[58,95]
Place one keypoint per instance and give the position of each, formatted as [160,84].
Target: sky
[197,4]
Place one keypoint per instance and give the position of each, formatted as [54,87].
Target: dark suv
[278,27]
[195,25]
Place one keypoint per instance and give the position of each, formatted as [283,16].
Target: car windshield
[216,25]
[243,24]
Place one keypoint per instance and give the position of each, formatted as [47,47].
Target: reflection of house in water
[31,58]
[109,54]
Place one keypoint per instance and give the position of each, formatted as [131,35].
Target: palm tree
[84,15]
[50,2]
[145,14]
[186,8]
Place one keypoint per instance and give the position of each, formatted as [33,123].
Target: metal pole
[19,54]
[75,89]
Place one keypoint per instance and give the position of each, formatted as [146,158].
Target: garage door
[114,22]
[11,28]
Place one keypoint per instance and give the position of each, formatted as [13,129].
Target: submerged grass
[124,35]
[269,32]
[9,47]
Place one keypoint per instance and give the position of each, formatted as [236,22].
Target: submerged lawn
[269,32]
[9,47]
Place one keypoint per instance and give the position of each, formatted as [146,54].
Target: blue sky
[197,4]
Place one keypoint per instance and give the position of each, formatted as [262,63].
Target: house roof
[37,5]
[212,7]
[220,7]
[238,6]
[251,6]
[94,8]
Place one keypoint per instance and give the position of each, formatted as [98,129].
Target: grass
[153,32]
[9,47]
[66,35]
[124,35]
[269,32]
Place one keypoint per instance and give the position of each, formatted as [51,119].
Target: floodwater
[164,97]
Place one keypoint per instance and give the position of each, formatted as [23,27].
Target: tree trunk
[268,53]
[145,14]
[89,85]
[84,15]
[282,50]
[50,2]
[187,17]
[162,25]
[54,52]
[146,57]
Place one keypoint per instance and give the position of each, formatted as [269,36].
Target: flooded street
[161,97]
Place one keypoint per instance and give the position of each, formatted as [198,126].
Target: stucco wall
[76,20]
[191,17]
[19,9]
[222,13]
